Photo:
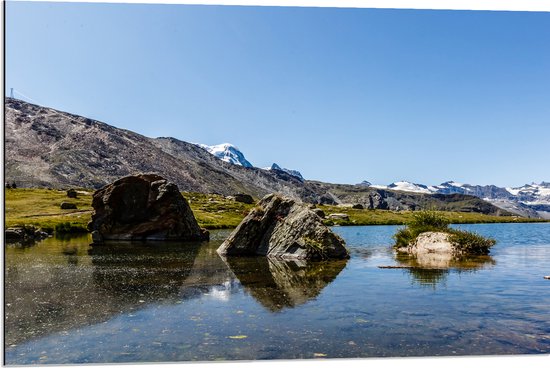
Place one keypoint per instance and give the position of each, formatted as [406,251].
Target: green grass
[423,221]
[214,211]
[388,217]
[40,207]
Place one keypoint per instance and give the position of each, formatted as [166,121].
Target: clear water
[67,302]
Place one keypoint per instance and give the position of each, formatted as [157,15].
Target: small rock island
[429,233]
[143,207]
[282,228]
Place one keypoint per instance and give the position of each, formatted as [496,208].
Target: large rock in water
[143,207]
[282,228]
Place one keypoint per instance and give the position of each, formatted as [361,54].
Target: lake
[68,302]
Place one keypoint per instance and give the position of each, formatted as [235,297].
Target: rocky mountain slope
[50,148]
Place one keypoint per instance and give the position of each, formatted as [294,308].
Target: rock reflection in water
[278,284]
[61,284]
[142,271]
[433,268]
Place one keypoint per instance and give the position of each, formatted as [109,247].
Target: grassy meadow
[41,208]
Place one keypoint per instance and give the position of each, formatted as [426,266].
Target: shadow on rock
[277,284]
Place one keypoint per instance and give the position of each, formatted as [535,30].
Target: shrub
[471,243]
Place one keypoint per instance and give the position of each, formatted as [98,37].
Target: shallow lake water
[68,302]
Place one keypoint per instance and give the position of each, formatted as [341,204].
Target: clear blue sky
[343,95]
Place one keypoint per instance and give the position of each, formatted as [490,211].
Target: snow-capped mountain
[532,200]
[228,153]
[294,173]
[405,186]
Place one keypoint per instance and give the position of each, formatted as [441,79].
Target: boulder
[338,216]
[358,206]
[434,247]
[244,198]
[68,206]
[143,207]
[71,193]
[282,228]
[319,212]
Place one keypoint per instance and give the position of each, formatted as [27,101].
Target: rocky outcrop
[282,228]
[143,207]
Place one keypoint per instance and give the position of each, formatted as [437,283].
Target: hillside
[50,148]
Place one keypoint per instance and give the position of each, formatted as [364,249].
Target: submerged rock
[282,228]
[143,207]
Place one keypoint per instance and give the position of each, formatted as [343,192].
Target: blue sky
[343,95]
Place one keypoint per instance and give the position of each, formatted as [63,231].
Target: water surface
[68,302]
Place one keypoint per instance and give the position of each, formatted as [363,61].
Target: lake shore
[41,208]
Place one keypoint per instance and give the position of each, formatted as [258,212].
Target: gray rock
[143,207]
[338,216]
[68,206]
[244,198]
[280,227]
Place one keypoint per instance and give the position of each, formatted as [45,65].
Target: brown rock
[280,227]
[244,198]
[143,207]
[68,206]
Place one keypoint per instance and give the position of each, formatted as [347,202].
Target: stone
[24,234]
[338,216]
[319,212]
[282,228]
[244,198]
[143,207]
[68,206]
[71,193]
[358,206]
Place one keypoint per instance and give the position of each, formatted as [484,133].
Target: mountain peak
[294,173]
[227,152]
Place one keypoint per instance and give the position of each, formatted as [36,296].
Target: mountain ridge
[50,148]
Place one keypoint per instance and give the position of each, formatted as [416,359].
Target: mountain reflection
[278,284]
[432,268]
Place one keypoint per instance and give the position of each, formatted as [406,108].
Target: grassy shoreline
[41,208]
